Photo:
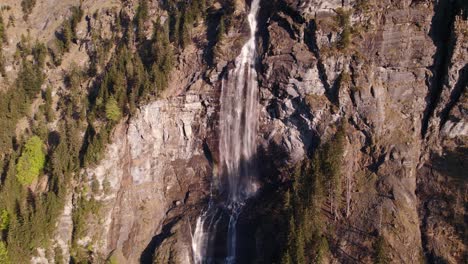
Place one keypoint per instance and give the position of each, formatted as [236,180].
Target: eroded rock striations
[395,72]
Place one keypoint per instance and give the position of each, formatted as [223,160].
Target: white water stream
[238,123]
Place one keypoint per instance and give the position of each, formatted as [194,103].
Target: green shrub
[3,254]
[31,161]
[112,110]
[112,260]
[4,220]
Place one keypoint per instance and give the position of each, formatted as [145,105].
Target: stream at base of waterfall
[236,179]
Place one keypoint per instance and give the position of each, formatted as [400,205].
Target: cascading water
[237,147]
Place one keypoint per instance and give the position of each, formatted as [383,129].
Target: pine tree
[184,32]
[300,246]
[49,112]
[140,19]
[77,16]
[291,241]
[323,249]
[67,35]
[3,39]
[221,30]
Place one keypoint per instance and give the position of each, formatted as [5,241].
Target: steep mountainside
[114,108]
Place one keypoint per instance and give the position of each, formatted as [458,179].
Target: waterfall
[238,123]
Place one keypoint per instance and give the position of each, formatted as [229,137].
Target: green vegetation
[221,30]
[15,103]
[4,220]
[76,17]
[39,52]
[4,259]
[112,110]
[112,260]
[26,218]
[380,251]
[140,18]
[316,181]
[31,79]
[182,17]
[82,211]
[49,112]
[3,39]
[31,161]
[161,51]
[67,34]
[27,6]
[343,21]
[3,36]
[119,83]
[5,7]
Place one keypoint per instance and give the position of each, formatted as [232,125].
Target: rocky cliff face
[394,71]
[154,166]
[386,85]
[395,86]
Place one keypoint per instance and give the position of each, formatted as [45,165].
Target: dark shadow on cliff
[440,183]
[441,34]
[147,254]
[457,92]
[453,164]
[212,21]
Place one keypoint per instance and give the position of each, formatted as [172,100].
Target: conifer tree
[300,246]
[291,241]
[3,39]
[221,30]
[67,35]
[322,250]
